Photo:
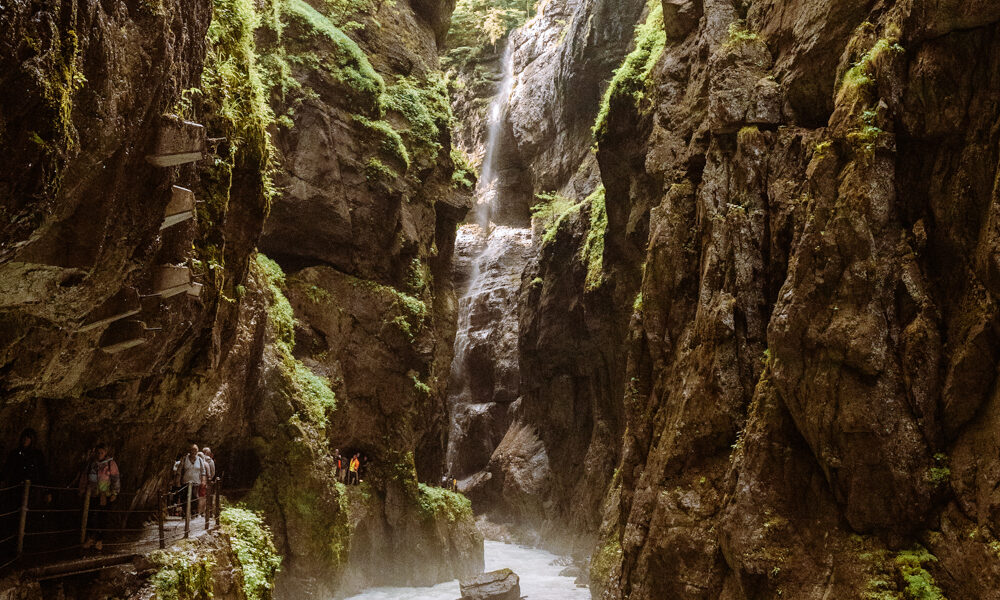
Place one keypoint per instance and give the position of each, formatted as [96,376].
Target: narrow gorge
[644,299]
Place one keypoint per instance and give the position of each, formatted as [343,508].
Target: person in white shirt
[194,472]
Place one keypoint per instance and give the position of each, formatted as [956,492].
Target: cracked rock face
[813,354]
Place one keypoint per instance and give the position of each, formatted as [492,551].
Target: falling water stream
[493,244]
[490,243]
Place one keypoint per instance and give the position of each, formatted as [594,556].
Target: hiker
[355,465]
[101,481]
[206,455]
[194,474]
[454,484]
[341,466]
[24,463]
[210,460]
[176,488]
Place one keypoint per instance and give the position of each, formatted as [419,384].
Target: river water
[540,578]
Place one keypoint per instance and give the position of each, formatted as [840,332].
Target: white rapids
[540,579]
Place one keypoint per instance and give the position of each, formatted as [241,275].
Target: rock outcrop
[495,585]
[344,343]
[809,358]
[770,336]
[554,462]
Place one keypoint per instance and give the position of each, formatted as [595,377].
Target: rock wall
[344,140]
[558,442]
[810,359]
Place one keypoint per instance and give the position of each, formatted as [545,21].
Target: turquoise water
[540,579]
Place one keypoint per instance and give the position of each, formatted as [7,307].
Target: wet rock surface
[250,365]
[775,386]
[495,585]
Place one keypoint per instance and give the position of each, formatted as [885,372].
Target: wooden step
[180,208]
[123,335]
[123,304]
[170,280]
[178,142]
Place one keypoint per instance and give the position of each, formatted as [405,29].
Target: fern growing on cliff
[628,86]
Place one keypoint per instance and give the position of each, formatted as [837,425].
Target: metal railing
[63,527]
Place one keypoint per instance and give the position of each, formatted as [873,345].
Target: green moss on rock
[593,247]
[253,546]
[184,574]
[443,505]
[631,81]
[348,63]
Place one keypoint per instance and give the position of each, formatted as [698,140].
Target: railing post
[24,517]
[161,514]
[86,515]
[208,506]
[187,514]
[218,501]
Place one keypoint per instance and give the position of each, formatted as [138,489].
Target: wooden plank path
[78,560]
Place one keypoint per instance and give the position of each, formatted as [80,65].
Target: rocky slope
[347,146]
[807,193]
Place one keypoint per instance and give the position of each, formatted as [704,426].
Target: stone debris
[503,584]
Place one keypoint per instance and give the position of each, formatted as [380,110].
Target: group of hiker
[350,470]
[194,469]
[98,483]
[98,479]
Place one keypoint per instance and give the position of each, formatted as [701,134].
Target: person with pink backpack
[100,480]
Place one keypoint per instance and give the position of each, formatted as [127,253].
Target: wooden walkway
[48,542]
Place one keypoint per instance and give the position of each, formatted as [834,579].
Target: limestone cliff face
[555,458]
[778,320]
[345,142]
[811,359]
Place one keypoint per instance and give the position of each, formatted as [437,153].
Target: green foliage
[860,78]
[919,582]
[389,142]
[416,278]
[232,103]
[343,11]
[630,82]
[422,388]
[822,149]
[255,552]
[377,171]
[350,65]
[183,575]
[605,560]
[739,34]
[939,474]
[313,392]
[426,107]
[552,213]
[56,72]
[593,247]
[464,176]
[866,135]
[280,310]
[439,503]
[483,23]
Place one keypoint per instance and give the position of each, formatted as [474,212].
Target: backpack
[105,470]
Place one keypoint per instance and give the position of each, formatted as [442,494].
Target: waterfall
[486,191]
[490,257]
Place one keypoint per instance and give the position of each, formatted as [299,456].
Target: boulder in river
[495,585]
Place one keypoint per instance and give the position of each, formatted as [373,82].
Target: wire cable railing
[42,531]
